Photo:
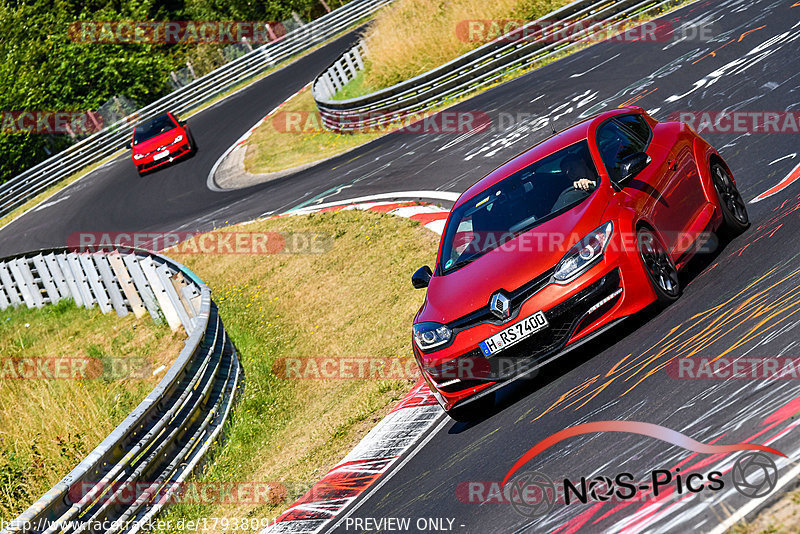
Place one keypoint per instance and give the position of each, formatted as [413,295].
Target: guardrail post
[71,280]
[358,57]
[27,275]
[110,284]
[94,282]
[79,277]
[143,287]
[160,292]
[126,283]
[348,57]
[46,278]
[57,275]
[9,285]
[165,276]
[4,303]
[341,73]
[27,292]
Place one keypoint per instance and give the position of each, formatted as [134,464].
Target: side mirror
[421,278]
[129,145]
[631,166]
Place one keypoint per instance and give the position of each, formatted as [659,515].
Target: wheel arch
[644,223]
[705,157]
[714,158]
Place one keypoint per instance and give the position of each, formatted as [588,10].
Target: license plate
[514,334]
[161,155]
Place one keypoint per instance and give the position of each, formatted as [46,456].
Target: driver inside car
[581,179]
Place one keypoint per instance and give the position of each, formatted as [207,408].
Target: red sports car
[160,140]
[563,242]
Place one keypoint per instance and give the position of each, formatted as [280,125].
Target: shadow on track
[519,389]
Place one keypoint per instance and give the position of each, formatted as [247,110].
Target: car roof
[574,134]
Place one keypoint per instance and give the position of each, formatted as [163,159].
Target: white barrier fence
[163,439]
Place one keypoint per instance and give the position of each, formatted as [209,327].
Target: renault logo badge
[500,305]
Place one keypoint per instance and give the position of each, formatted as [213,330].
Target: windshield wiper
[465,261]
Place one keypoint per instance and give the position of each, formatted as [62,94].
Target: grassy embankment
[47,426]
[353,301]
[400,47]
[411,37]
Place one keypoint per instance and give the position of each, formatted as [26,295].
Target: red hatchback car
[160,140]
[562,242]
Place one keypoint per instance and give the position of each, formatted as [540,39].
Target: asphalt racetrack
[741,300]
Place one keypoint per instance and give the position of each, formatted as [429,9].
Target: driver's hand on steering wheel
[584,184]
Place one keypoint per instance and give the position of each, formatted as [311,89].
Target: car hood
[511,265]
[160,140]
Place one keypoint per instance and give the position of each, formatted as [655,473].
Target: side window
[619,138]
[637,125]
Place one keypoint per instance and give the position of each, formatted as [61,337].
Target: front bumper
[474,371]
[610,291]
[148,163]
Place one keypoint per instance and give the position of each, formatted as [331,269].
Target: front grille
[564,320]
[518,297]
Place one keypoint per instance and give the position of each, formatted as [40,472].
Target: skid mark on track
[757,321]
[756,55]
[521,131]
[780,186]
[763,306]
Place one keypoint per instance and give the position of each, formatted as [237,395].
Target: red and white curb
[394,435]
[367,462]
[791,178]
[430,216]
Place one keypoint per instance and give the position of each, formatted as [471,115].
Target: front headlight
[178,139]
[584,254]
[138,156]
[430,335]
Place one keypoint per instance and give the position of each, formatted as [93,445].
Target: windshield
[519,203]
[152,128]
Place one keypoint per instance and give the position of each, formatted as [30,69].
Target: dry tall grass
[48,426]
[353,301]
[410,37]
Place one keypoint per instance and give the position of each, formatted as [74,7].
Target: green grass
[411,37]
[48,426]
[396,55]
[270,150]
[289,305]
[354,88]
[49,192]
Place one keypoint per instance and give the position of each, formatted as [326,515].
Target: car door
[683,191]
[621,137]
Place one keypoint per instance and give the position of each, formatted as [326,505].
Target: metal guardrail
[535,41]
[159,444]
[103,144]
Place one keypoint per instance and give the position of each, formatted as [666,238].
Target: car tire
[473,410]
[659,267]
[735,219]
[192,143]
